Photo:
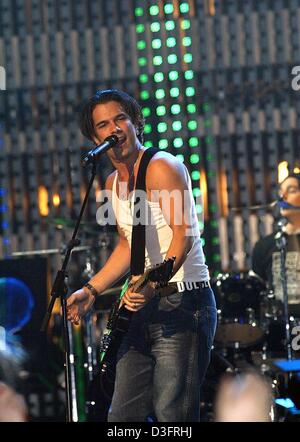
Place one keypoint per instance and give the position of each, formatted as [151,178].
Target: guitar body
[101,388]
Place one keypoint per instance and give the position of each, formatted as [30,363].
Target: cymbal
[61,222]
[65,223]
[49,251]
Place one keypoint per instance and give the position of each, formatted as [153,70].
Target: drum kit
[251,335]
[249,316]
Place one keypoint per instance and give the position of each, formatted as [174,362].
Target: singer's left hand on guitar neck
[135,301]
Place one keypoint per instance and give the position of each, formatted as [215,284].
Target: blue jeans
[163,359]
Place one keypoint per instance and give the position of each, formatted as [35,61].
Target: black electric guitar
[118,323]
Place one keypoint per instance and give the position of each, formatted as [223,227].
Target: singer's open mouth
[121,141]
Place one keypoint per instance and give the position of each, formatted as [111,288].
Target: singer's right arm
[116,266]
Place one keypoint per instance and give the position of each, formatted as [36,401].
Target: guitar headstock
[160,273]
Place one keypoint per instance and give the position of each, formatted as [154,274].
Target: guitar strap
[138,237]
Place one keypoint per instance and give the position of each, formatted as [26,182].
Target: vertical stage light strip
[169,92]
[3,201]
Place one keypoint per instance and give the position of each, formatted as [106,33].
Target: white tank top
[159,236]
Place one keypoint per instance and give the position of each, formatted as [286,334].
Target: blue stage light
[285,402]
[16,304]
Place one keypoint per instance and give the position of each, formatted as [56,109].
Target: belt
[182,286]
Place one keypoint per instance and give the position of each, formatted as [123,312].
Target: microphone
[92,155]
[280,203]
[285,205]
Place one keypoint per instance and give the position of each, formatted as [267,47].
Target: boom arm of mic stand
[59,290]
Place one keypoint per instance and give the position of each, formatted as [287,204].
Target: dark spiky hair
[128,103]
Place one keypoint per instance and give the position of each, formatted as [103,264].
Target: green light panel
[169,91]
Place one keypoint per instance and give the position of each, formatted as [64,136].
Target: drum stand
[91,357]
[281,240]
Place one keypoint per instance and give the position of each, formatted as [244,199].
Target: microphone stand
[59,290]
[281,240]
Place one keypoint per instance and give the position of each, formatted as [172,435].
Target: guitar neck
[139,284]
